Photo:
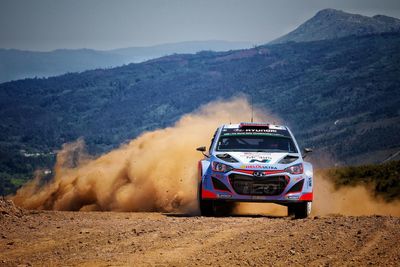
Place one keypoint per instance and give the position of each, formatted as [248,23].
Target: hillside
[331,23]
[339,96]
[18,64]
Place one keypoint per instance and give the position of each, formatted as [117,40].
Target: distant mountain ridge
[20,64]
[332,23]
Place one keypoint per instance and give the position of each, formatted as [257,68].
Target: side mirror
[306,151]
[203,149]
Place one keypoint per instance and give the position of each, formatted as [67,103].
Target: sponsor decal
[256,131]
[259,174]
[223,196]
[309,182]
[261,161]
[265,167]
[256,157]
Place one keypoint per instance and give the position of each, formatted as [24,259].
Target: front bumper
[244,186]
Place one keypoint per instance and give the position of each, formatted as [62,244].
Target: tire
[291,209]
[207,207]
[214,207]
[223,208]
[302,210]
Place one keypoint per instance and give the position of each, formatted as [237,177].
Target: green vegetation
[339,97]
[384,177]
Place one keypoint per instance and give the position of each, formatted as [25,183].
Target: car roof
[270,126]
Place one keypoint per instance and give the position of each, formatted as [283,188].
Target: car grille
[264,186]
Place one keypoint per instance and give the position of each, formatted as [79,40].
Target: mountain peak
[332,23]
[329,11]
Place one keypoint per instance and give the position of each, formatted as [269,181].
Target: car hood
[258,157]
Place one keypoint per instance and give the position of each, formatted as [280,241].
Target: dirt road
[155,239]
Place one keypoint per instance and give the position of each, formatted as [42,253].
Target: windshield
[256,142]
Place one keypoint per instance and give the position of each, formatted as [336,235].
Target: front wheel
[291,210]
[215,207]
[301,210]
[207,207]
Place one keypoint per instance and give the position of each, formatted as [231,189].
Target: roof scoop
[253,125]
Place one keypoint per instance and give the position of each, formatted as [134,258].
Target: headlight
[295,169]
[220,167]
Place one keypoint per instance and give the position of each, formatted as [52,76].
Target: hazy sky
[101,24]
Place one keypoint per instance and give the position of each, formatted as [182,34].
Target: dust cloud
[269,209]
[350,200]
[157,171]
[329,200]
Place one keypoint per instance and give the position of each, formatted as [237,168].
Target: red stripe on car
[307,197]
[266,172]
[207,194]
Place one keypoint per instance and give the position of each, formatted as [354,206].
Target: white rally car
[254,162]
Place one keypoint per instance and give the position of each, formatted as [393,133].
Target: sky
[44,25]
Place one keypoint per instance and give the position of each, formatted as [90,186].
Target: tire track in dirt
[155,239]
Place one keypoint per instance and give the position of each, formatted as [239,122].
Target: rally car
[254,162]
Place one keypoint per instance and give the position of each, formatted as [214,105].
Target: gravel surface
[54,238]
